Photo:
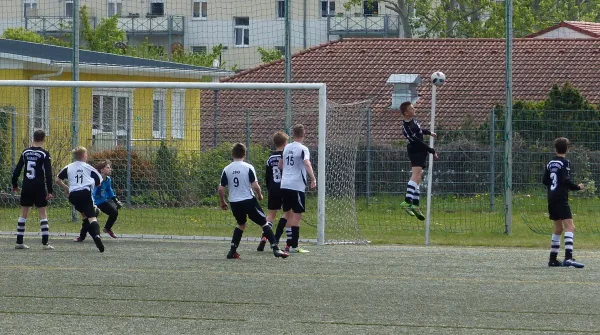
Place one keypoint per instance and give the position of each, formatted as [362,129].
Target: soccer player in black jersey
[37,177]
[273,181]
[557,179]
[418,152]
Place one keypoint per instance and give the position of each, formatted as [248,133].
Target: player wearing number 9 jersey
[557,179]
[37,177]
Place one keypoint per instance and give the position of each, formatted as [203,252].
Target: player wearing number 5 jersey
[240,178]
[557,179]
[82,179]
[37,177]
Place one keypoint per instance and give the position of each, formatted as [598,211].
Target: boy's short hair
[298,131]
[404,106]
[238,151]
[102,164]
[561,145]
[79,151]
[280,138]
[39,136]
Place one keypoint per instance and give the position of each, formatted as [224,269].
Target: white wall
[563,32]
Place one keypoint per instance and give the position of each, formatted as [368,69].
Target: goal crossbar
[320,87]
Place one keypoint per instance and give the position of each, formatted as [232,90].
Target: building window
[280,9]
[327,8]
[30,8]
[159,114]
[200,9]
[69,8]
[178,113]
[157,8]
[109,112]
[39,109]
[242,31]
[281,49]
[200,50]
[114,7]
[370,7]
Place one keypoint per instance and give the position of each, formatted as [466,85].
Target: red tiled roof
[591,29]
[357,69]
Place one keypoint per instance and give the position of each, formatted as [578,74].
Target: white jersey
[238,177]
[294,171]
[81,175]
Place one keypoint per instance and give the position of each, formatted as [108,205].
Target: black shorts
[83,203]
[34,196]
[294,200]
[559,211]
[275,200]
[248,209]
[418,158]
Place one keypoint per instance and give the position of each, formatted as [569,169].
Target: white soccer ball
[438,78]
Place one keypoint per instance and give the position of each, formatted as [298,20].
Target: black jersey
[273,174]
[38,169]
[414,133]
[558,180]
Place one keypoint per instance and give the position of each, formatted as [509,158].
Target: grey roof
[65,55]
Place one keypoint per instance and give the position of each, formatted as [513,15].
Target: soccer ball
[438,78]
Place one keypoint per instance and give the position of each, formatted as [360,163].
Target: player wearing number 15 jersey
[557,179]
[37,177]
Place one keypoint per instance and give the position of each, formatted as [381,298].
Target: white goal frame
[320,87]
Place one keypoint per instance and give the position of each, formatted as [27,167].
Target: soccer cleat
[21,246]
[554,263]
[573,263]
[280,254]
[287,248]
[261,245]
[78,239]
[417,212]
[97,211]
[299,250]
[99,243]
[406,207]
[232,254]
[48,247]
[110,233]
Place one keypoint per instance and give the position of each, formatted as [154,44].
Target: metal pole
[13,137]
[492,160]
[305,15]
[321,165]
[75,90]
[288,67]
[129,139]
[215,116]
[368,157]
[430,167]
[247,136]
[508,131]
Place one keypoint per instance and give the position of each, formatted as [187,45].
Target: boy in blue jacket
[105,199]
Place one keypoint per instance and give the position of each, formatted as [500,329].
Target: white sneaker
[21,246]
[48,247]
[299,250]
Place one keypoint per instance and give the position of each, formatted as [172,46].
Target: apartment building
[241,26]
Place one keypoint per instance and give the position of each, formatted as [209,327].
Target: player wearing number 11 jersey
[37,177]
[557,179]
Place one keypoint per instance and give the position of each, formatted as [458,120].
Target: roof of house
[591,29]
[357,69]
[46,54]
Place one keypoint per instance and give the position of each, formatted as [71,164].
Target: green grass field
[455,221]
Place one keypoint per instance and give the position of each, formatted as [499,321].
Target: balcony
[164,25]
[364,26]
[52,25]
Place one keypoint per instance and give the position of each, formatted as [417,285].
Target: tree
[268,56]
[107,35]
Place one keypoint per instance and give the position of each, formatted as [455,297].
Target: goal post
[127,96]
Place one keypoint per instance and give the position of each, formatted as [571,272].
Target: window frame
[118,7]
[328,8]
[32,5]
[68,13]
[164,9]
[202,10]
[245,29]
[45,112]
[280,9]
[114,93]
[160,95]
[178,113]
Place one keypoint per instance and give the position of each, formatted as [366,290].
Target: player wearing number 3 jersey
[557,179]
[37,177]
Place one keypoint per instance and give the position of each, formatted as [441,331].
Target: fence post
[368,156]
[288,65]
[128,148]
[248,136]
[492,158]
[75,90]
[215,116]
[13,136]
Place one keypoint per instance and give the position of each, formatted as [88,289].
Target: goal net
[169,141]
